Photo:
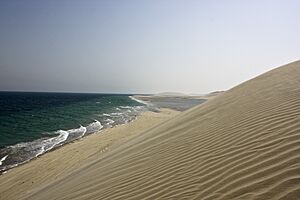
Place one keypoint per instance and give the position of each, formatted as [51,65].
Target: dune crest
[243,144]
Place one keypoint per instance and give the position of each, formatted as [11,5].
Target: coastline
[62,161]
[30,129]
[243,144]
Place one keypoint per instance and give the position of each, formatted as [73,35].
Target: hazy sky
[143,46]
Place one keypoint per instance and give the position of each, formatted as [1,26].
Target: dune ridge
[243,144]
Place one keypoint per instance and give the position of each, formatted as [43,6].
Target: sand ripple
[244,144]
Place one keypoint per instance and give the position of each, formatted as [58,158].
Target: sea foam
[139,101]
[2,159]
[23,152]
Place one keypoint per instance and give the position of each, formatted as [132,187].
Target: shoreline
[25,151]
[60,162]
[243,144]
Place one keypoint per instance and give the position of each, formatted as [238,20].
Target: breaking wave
[20,153]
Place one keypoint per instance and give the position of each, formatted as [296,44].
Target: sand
[51,166]
[242,144]
[179,103]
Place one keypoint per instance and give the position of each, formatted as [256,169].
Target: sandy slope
[243,144]
[63,161]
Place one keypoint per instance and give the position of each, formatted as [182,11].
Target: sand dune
[243,144]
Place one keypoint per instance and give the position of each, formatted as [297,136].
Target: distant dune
[178,94]
[242,144]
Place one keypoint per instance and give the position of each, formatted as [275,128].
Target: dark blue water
[34,123]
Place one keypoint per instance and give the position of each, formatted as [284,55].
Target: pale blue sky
[143,46]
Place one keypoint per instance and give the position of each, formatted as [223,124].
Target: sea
[32,123]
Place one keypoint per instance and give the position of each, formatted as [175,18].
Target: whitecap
[2,159]
[78,132]
[93,127]
[126,107]
[116,113]
[139,101]
[109,122]
[48,144]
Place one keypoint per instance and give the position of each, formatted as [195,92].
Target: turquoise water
[33,123]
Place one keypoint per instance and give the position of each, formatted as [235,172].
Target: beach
[149,100]
[241,144]
[17,182]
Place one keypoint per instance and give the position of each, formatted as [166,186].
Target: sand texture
[22,180]
[242,144]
